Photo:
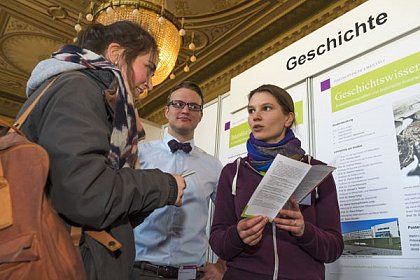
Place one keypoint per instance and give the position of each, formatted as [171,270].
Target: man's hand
[213,271]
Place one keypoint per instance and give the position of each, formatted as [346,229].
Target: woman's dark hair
[189,85]
[133,38]
[282,96]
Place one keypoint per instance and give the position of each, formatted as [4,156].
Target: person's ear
[289,119]
[166,112]
[114,52]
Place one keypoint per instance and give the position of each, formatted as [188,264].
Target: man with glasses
[172,243]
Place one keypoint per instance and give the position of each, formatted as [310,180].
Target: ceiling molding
[231,37]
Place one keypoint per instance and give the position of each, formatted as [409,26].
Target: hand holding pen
[181,185]
[180,181]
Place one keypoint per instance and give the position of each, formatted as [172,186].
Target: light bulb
[136,12]
[191,46]
[89,17]
[186,68]
[161,19]
[109,10]
[172,76]
[78,27]
[144,93]
[182,32]
[74,39]
[193,58]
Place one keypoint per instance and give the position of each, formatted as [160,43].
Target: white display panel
[205,133]
[226,153]
[205,137]
[367,124]
[361,29]
[301,130]
[153,131]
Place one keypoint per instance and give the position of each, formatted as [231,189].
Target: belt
[160,270]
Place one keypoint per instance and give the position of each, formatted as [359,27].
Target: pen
[187,173]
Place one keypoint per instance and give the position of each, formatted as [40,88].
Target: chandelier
[153,17]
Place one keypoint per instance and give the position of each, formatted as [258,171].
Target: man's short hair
[189,85]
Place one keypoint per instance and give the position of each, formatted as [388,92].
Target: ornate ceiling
[230,36]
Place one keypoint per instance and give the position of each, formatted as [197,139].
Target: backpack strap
[6,128]
[18,124]
[76,235]
[6,217]
[105,239]
[102,237]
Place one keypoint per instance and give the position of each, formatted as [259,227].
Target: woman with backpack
[88,124]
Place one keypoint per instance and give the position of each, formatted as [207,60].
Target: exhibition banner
[368,126]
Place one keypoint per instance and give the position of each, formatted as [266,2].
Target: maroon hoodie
[299,257]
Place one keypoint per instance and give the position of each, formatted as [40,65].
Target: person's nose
[149,84]
[256,116]
[186,109]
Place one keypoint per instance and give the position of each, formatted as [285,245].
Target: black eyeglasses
[181,104]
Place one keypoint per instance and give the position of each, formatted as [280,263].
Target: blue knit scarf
[262,154]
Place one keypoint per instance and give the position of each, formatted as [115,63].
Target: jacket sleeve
[323,240]
[224,238]
[74,127]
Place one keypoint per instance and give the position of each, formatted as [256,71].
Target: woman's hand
[250,229]
[181,187]
[291,219]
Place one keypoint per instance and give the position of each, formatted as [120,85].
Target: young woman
[87,123]
[300,240]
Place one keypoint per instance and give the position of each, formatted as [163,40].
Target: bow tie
[175,146]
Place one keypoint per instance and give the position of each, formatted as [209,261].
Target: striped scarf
[124,138]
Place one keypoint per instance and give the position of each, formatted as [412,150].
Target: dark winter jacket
[73,122]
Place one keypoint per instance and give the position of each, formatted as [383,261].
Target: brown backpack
[34,242]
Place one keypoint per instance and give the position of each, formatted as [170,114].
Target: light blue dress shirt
[175,236]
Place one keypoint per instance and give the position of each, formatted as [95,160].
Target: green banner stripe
[299,112]
[386,79]
[239,134]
